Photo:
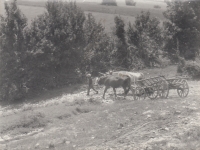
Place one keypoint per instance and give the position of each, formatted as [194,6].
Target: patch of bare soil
[77,121]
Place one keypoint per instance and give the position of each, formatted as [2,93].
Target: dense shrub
[130,2]
[182,29]
[140,45]
[57,49]
[12,54]
[121,55]
[109,2]
[192,69]
[181,65]
[146,36]
[97,52]
[189,68]
[55,41]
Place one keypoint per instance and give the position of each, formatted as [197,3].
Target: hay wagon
[159,86]
[150,87]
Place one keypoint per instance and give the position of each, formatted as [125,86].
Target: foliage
[181,65]
[12,53]
[119,29]
[121,54]
[140,45]
[192,69]
[109,2]
[183,25]
[97,52]
[62,44]
[58,47]
[146,36]
[54,42]
[130,2]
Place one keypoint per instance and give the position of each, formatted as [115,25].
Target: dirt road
[75,121]
[68,119]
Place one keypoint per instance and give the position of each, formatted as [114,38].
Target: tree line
[63,43]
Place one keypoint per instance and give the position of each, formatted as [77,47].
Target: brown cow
[115,82]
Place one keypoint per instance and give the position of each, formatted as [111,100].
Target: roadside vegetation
[63,44]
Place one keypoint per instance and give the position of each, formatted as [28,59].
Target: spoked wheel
[139,93]
[183,89]
[152,92]
[163,89]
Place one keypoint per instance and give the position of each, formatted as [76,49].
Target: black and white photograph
[100,74]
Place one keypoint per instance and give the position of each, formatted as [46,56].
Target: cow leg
[115,92]
[126,90]
[129,87]
[105,92]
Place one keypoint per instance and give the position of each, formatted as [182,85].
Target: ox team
[115,80]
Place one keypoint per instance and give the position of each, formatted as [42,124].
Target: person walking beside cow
[90,84]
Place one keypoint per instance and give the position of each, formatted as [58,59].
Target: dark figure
[90,84]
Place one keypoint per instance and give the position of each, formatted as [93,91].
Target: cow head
[100,80]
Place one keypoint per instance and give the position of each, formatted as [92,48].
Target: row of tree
[63,43]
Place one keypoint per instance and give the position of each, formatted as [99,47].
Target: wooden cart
[159,86]
[151,87]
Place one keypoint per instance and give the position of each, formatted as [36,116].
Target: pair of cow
[118,79]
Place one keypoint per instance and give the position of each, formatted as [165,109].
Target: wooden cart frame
[180,84]
[159,86]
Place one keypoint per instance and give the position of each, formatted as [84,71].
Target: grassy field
[103,14]
[73,120]
[120,10]
[107,20]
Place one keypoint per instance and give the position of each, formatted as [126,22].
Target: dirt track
[74,121]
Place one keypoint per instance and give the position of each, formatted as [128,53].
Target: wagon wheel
[183,89]
[153,93]
[139,93]
[163,89]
